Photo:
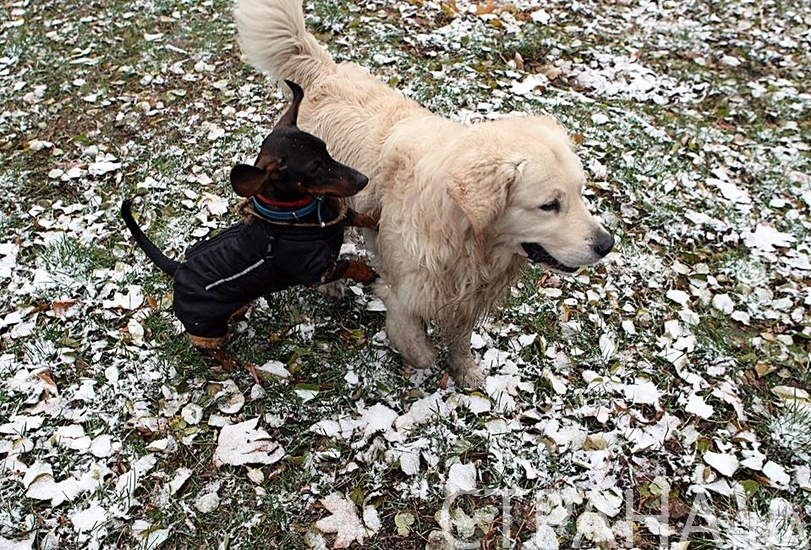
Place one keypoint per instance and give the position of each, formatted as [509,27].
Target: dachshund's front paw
[365,274]
[366,221]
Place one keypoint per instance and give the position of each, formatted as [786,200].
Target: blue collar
[290,215]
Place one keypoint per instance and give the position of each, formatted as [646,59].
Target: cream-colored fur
[457,201]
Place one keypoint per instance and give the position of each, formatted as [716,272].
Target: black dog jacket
[252,258]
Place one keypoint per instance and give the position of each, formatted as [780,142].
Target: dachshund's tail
[166,264]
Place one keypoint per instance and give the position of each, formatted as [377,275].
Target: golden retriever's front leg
[464,369]
[406,333]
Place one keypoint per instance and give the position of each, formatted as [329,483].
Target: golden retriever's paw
[470,378]
[420,357]
[464,369]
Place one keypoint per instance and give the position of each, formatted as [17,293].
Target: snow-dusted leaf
[378,418]
[741,317]
[593,527]
[128,484]
[529,84]
[19,424]
[376,305]
[136,332]
[476,341]
[102,167]
[608,346]
[463,523]
[181,475]
[766,238]
[697,406]
[26,543]
[803,477]
[559,385]
[192,413]
[271,370]
[371,518]
[658,528]
[727,393]
[89,519]
[40,483]
[723,303]
[461,478]
[148,535]
[133,299]
[343,521]
[72,437]
[476,404]
[243,443]
[215,204]
[642,392]
[724,463]
[215,132]
[544,538]
[420,410]
[207,502]
[678,296]
[730,191]
[306,392]
[230,399]
[776,474]
[753,461]
[409,462]
[8,259]
[607,502]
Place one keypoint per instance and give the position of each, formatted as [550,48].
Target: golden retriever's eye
[552,206]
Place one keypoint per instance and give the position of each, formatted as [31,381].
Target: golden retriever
[462,206]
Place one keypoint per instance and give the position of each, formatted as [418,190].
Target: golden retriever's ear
[481,192]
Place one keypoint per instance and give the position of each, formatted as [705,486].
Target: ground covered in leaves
[658,400]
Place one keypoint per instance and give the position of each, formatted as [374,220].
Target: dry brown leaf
[489,7]
[61,307]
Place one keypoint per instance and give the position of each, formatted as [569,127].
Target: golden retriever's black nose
[603,245]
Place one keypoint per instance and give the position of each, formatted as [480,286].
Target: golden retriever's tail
[274,39]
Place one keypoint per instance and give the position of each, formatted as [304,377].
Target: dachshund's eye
[551,206]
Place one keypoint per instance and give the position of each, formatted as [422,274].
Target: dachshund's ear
[290,117]
[248,180]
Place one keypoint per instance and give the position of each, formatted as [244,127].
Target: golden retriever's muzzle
[601,246]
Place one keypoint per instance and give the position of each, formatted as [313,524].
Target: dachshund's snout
[361,181]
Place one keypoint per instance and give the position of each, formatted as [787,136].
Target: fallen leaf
[404,521]
[725,464]
[461,478]
[149,536]
[242,443]
[697,406]
[343,521]
[207,502]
